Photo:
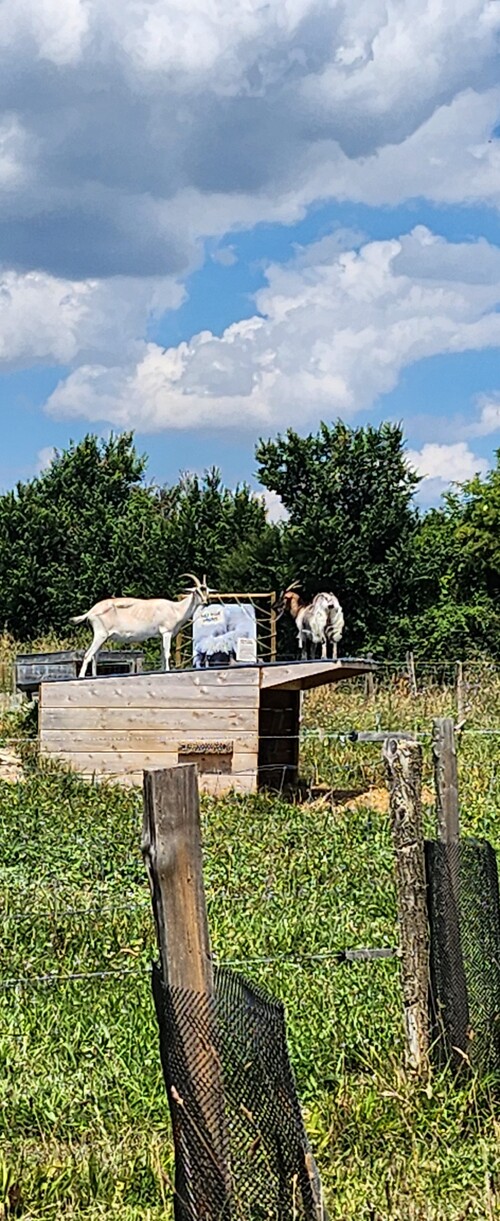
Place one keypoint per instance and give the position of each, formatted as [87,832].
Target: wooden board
[190,721]
[214,786]
[127,740]
[232,687]
[305,675]
[118,761]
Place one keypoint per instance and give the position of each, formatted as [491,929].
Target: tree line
[91,525]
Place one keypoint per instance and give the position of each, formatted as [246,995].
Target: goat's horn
[292,585]
[191,577]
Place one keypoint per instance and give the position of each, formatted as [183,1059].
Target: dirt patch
[376,799]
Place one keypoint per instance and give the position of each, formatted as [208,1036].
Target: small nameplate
[205,748]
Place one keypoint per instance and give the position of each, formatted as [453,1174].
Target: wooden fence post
[404,769]
[410,664]
[369,681]
[448,824]
[461,702]
[171,845]
[446,779]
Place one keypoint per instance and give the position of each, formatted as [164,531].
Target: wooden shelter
[239,724]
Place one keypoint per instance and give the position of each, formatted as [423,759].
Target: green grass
[84,1127]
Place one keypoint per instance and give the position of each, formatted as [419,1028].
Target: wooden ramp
[240,724]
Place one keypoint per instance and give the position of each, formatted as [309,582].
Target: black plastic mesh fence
[249,1157]
[464,919]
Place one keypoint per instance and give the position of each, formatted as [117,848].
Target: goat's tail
[79,618]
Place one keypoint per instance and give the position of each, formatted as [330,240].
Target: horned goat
[318,622]
[136,619]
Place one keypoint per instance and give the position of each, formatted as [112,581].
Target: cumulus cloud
[44,458]
[489,416]
[441,465]
[334,329]
[43,318]
[275,509]
[139,128]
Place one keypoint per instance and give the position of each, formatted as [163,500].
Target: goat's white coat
[137,619]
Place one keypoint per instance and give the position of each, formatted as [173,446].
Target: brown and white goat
[317,622]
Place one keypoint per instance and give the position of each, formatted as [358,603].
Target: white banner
[224,633]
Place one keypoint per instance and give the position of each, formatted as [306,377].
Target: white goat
[317,623]
[140,618]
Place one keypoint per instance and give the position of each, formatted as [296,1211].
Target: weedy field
[83,1114]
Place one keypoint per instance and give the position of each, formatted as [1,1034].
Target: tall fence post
[461,695]
[171,845]
[403,761]
[369,681]
[446,779]
[412,678]
[448,827]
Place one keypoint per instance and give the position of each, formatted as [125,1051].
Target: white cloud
[43,318]
[334,330]
[44,29]
[44,458]
[225,255]
[275,509]
[441,465]
[489,418]
[148,125]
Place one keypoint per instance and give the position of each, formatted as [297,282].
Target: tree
[57,533]
[352,521]
[89,527]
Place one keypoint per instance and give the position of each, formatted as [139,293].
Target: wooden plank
[404,770]
[112,762]
[171,844]
[303,676]
[189,721]
[135,741]
[217,786]
[120,760]
[234,686]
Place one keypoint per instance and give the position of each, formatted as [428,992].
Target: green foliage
[88,528]
[352,521]
[84,1128]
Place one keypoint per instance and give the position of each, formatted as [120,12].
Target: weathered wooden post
[446,780]
[461,696]
[171,845]
[412,678]
[404,770]
[369,681]
[447,859]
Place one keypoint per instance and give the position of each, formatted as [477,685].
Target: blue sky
[272,215]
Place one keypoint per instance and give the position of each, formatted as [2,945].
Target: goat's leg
[166,641]
[100,635]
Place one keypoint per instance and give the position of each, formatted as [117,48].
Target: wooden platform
[239,724]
